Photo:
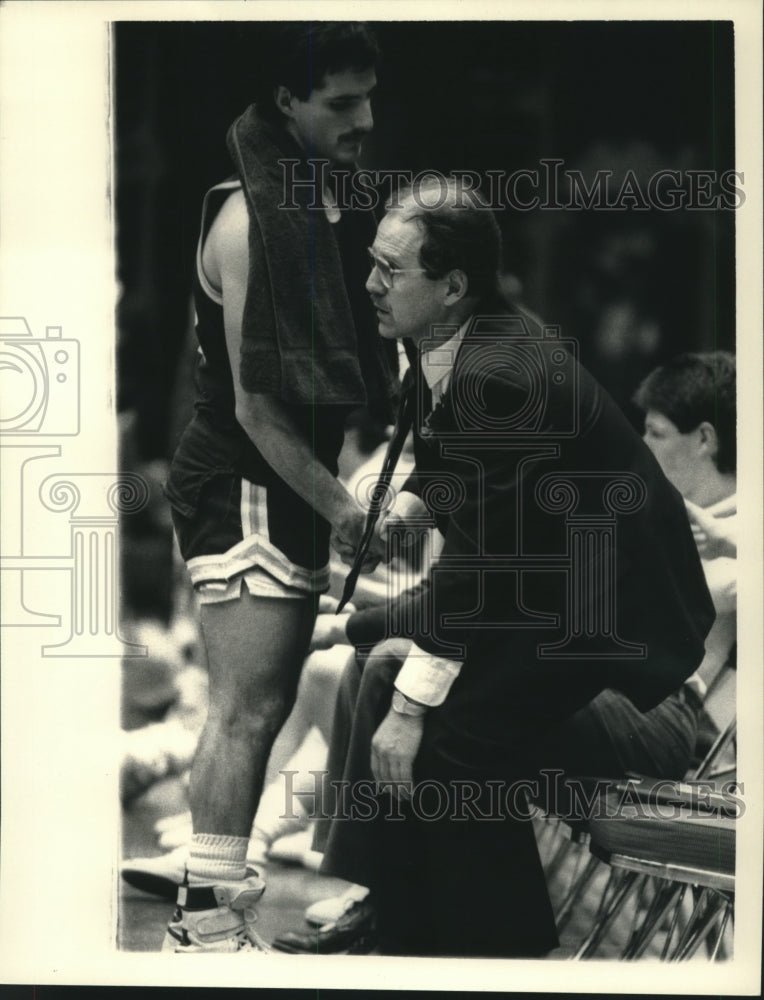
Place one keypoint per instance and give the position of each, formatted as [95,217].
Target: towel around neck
[300,339]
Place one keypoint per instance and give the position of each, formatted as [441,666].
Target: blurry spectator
[164,703]
[690,424]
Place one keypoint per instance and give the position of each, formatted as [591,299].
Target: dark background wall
[633,287]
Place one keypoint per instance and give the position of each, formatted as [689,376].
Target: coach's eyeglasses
[386,272]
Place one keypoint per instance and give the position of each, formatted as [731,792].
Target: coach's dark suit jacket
[553,509]
[528,456]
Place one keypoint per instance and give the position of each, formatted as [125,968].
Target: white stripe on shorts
[255,560]
[254,510]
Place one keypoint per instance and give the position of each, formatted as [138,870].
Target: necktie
[402,426]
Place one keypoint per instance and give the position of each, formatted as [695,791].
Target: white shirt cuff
[426,678]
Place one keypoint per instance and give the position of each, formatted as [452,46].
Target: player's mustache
[354,136]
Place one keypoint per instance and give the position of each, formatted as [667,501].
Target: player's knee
[249,721]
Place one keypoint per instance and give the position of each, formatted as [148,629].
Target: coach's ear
[282,97]
[456,287]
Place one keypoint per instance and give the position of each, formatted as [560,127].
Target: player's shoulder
[232,220]
[227,241]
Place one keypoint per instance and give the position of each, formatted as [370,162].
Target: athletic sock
[217,857]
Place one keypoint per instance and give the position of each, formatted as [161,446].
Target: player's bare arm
[265,418]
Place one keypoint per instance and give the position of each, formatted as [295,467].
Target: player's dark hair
[299,54]
[693,388]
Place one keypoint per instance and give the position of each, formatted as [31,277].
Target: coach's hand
[393,750]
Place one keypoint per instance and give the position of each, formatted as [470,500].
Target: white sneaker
[217,917]
[327,911]
[160,876]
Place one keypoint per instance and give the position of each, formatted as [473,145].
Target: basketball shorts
[240,534]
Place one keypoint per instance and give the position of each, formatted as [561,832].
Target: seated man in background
[690,426]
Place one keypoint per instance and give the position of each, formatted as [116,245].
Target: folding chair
[694,848]
[626,878]
[559,839]
[665,881]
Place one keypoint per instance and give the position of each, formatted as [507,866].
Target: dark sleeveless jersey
[214,442]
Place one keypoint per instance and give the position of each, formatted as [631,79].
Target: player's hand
[346,537]
[394,747]
[347,550]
